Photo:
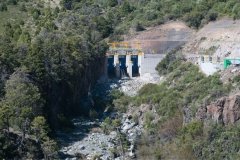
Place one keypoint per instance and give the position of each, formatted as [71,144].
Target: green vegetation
[109,125]
[11,12]
[50,56]
[118,16]
[195,13]
[185,86]
[45,71]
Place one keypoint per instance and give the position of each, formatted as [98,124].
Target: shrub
[107,126]
[93,114]
[147,89]
[148,120]
[138,27]
[170,62]
[236,79]
[122,103]
[212,15]
[194,19]
[193,129]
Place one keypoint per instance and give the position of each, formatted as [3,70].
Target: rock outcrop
[225,110]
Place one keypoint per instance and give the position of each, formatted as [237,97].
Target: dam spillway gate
[124,60]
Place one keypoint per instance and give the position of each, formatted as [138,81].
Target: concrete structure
[124,60]
[150,62]
[210,64]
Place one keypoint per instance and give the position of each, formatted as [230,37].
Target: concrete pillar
[129,65]
[117,70]
[129,68]
[140,59]
[115,60]
[128,59]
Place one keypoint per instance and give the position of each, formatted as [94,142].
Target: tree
[67,4]
[194,19]
[103,26]
[23,99]
[40,128]
[6,114]
[236,11]
[3,7]
[23,7]
[49,147]
[112,3]
[17,32]
[8,30]
[126,7]
[12,2]
[36,13]
[212,15]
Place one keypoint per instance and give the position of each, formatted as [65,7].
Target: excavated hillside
[162,38]
[219,38]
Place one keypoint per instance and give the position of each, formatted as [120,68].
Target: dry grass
[170,128]
[160,146]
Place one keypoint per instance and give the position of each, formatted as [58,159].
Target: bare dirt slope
[162,38]
[220,38]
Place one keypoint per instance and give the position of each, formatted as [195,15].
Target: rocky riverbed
[88,141]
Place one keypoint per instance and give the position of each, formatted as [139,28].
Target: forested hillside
[51,56]
[182,115]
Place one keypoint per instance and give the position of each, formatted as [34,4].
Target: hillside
[163,38]
[52,55]
[222,35]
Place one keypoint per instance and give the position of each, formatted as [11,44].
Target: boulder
[127,126]
[131,154]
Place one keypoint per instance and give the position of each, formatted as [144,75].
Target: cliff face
[90,75]
[74,99]
[225,110]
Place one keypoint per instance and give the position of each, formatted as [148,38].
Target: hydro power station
[124,59]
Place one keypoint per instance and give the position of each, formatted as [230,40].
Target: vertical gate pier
[124,59]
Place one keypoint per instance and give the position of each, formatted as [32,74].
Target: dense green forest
[50,56]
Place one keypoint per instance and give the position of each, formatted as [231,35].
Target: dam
[124,60]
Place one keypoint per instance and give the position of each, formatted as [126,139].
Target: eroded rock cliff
[225,110]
